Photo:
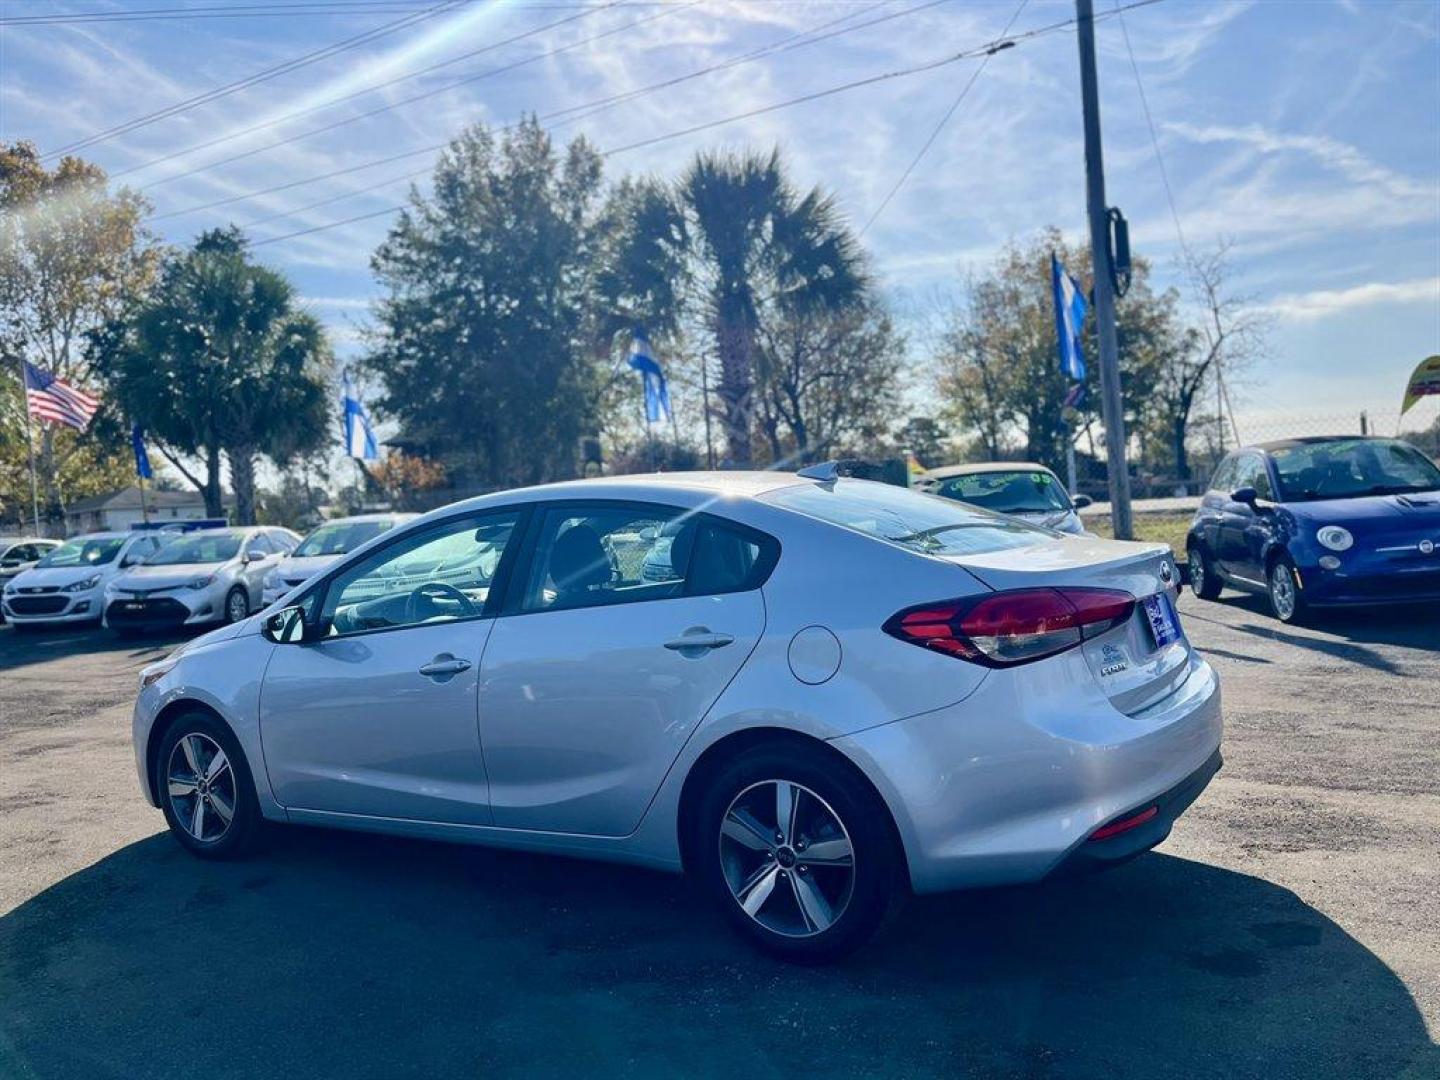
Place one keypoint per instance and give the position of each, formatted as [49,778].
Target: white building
[121,509]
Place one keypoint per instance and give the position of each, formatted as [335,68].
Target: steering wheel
[432,590]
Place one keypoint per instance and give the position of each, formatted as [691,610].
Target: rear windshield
[923,523]
[1023,491]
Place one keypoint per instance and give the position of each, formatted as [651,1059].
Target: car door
[626,624]
[1238,551]
[375,714]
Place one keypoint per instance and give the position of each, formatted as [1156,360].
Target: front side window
[588,556]
[1253,474]
[82,552]
[438,574]
[907,519]
[1224,478]
[1019,491]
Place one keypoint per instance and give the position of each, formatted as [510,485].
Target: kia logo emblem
[1427,546]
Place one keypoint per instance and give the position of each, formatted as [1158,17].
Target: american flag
[54,399]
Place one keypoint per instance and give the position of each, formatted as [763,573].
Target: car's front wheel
[1286,601]
[205,788]
[237,605]
[1203,582]
[798,852]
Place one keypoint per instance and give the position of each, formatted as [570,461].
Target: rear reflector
[1115,828]
[1003,628]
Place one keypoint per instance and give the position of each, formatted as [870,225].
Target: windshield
[917,522]
[340,538]
[1021,491]
[83,552]
[200,547]
[1352,468]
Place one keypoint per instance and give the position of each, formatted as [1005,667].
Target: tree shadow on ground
[334,954]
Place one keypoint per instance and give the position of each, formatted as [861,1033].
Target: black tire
[229,599]
[864,898]
[1287,605]
[1203,581]
[246,824]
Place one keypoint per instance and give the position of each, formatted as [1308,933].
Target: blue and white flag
[359,435]
[657,394]
[142,459]
[1070,309]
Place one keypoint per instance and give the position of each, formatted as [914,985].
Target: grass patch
[1164,528]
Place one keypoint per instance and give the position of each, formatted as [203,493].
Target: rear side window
[922,523]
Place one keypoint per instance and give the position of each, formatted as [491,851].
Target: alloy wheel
[236,606]
[200,784]
[1282,591]
[1197,572]
[787,858]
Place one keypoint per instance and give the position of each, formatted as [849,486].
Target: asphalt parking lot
[1287,928]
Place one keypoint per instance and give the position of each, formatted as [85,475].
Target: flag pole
[29,444]
[144,507]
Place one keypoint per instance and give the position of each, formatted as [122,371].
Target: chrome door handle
[444,664]
[697,640]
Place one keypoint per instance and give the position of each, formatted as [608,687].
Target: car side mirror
[1081,501]
[1247,495]
[285,627]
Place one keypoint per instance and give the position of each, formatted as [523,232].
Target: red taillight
[1012,627]
[1115,828]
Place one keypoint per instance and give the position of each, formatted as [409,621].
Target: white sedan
[826,690]
[322,546]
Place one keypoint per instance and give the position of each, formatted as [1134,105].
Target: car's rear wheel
[797,851]
[237,605]
[1287,603]
[205,788]
[1203,582]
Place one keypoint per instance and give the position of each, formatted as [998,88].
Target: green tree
[998,369]
[72,255]
[487,339]
[755,242]
[218,361]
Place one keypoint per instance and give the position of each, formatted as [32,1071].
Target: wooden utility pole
[1111,405]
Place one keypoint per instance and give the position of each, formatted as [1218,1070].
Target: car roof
[647,485]
[1314,440]
[356,519]
[985,467]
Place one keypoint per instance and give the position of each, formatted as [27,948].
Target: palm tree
[757,244]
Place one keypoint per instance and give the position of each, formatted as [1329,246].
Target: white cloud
[1323,303]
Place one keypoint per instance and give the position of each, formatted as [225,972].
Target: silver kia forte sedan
[825,691]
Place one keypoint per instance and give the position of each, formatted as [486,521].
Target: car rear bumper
[1008,785]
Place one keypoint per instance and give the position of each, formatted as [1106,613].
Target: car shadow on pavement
[335,954]
[37,645]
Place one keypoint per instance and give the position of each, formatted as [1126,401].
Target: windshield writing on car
[340,538]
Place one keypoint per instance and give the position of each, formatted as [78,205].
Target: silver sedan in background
[209,576]
[1022,489]
[322,546]
[824,690]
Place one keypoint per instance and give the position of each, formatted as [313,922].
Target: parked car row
[167,579]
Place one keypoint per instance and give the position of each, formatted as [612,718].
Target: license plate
[1164,623]
[134,605]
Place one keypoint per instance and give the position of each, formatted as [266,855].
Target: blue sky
[1307,133]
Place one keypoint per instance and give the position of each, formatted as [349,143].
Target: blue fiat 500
[1317,522]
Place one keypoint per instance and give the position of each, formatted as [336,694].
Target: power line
[264,75]
[434,92]
[796,40]
[372,88]
[1000,43]
[326,8]
[973,53]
